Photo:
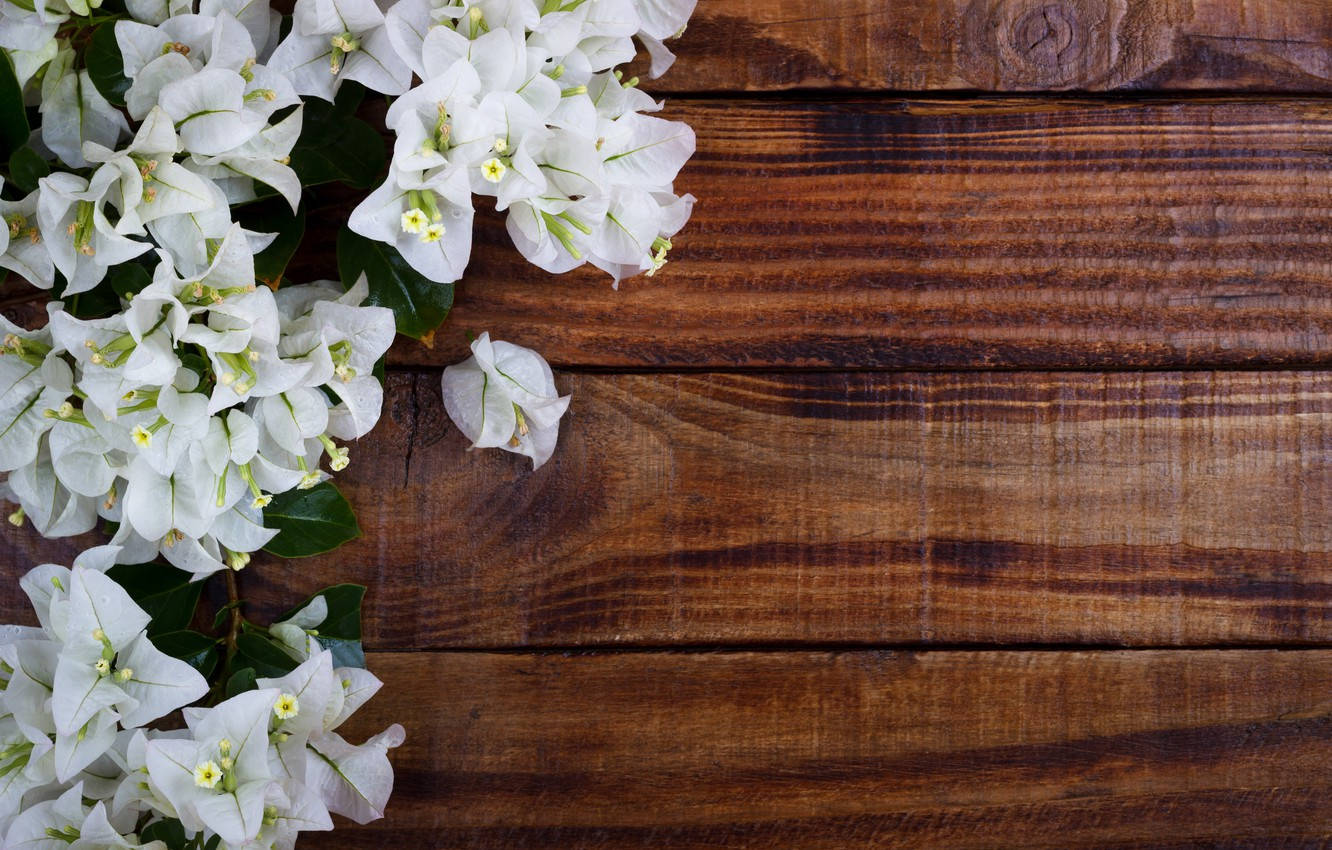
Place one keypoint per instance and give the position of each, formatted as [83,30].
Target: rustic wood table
[965,481]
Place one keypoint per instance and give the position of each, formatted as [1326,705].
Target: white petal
[360,786]
[160,684]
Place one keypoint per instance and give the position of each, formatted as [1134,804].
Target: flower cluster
[181,415]
[79,765]
[203,140]
[172,396]
[520,101]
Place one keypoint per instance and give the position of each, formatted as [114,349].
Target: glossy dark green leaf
[170,832]
[95,303]
[105,64]
[224,614]
[340,632]
[165,593]
[13,119]
[26,167]
[195,649]
[241,681]
[336,146]
[309,522]
[128,279]
[273,215]
[267,659]
[419,305]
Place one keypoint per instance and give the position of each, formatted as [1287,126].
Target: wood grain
[684,510]
[860,749]
[929,235]
[1005,45]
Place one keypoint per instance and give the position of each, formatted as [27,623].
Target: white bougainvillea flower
[29,37]
[53,509]
[219,777]
[509,171]
[504,396]
[610,97]
[438,126]
[33,380]
[75,112]
[259,19]
[209,112]
[29,749]
[262,159]
[175,49]
[146,183]
[84,461]
[337,40]
[25,254]
[499,56]
[356,337]
[645,151]
[314,700]
[296,632]
[354,781]
[179,503]
[554,234]
[154,12]
[107,661]
[65,823]
[114,363]
[662,19]
[75,230]
[428,221]
[614,244]
[188,237]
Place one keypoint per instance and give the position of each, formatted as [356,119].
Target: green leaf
[335,145]
[419,305]
[165,593]
[195,649]
[340,633]
[13,119]
[224,613]
[254,650]
[273,215]
[128,279]
[170,832]
[26,167]
[94,303]
[309,522]
[105,64]
[240,682]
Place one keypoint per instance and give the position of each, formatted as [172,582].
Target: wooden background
[965,480]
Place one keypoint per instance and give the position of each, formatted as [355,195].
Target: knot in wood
[1048,36]
[1042,44]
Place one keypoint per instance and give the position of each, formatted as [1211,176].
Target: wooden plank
[934,235]
[1005,45]
[1125,509]
[862,749]
[925,235]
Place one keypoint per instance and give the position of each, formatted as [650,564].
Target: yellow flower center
[493,170]
[207,775]
[286,707]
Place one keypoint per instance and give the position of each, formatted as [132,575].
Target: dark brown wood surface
[775,592]
[1005,45]
[952,234]
[852,507]
[859,750]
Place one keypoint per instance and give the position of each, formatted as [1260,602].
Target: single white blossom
[504,396]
